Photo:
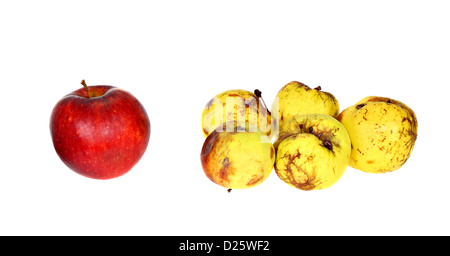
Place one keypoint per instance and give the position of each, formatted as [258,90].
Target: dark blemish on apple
[370,162]
[389,101]
[297,155]
[310,182]
[226,162]
[255,179]
[301,126]
[327,144]
[364,118]
[331,96]
[209,143]
[288,168]
[229,190]
[223,173]
[301,85]
[234,95]
[360,106]
[360,151]
[291,158]
[318,88]
[272,153]
[311,129]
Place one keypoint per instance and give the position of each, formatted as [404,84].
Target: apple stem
[87,88]
[258,94]
[229,190]
[318,88]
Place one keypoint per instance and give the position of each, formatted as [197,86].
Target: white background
[174,56]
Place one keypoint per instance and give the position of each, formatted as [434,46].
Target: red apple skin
[101,137]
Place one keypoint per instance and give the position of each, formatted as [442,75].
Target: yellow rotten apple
[296,98]
[312,151]
[235,105]
[237,155]
[383,133]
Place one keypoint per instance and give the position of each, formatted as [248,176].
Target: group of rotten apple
[314,142]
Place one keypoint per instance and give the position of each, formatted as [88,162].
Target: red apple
[100,131]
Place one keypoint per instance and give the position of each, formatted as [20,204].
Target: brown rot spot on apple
[360,106]
[370,162]
[327,144]
[255,179]
[225,171]
[223,174]
[296,176]
[297,155]
[226,162]
[209,143]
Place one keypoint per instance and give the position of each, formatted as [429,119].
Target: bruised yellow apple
[236,105]
[296,98]
[237,156]
[383,133]
[312,151]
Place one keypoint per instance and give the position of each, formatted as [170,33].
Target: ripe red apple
[100,131]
